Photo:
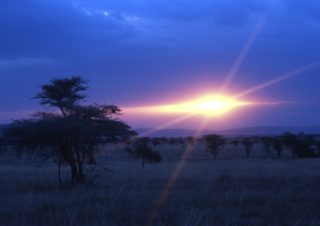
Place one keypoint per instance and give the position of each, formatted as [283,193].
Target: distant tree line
[300,145]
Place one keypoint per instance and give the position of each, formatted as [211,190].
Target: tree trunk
[73,166]
[91,157]
[214,155]
[248,153]
[59,171]
[143,162]
[74,173]
[279,153]
[80,168]
[81,177]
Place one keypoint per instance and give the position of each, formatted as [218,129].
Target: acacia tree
[64,94]
[214,143]
[183,142]
[72,135]
[141,149]
[301,146]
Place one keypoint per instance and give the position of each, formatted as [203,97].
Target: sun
[209,105]
[213,105]
[216,105]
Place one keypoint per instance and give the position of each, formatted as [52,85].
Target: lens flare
[209,106]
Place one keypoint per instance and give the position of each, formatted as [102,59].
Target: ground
[232,190]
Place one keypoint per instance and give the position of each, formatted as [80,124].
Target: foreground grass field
[228,191]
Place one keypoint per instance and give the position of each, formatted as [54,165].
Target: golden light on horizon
[215,105]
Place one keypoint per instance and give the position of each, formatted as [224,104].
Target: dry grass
[229,191]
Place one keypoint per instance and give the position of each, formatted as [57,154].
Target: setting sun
[209,106]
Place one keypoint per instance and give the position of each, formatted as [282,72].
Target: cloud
[37,28]
[69,29]
[230,12]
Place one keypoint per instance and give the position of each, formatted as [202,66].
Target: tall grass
[222,192]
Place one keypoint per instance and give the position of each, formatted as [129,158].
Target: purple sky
[141,52]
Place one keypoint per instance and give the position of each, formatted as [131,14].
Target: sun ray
[176,173]
[278,79]
[247,46]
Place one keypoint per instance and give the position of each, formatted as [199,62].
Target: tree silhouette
[141,149]
[156,141]
[191,140]
[248,144]
[214,143]
[235,142]
[183,142]
[301,145]
[278,146]
[3,145]
[72,135]
[63,93]
[267,145]
[172,141]
[164,140]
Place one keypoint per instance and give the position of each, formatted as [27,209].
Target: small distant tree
[278,146]
[301,145]
[235,142]
[3,146]
[72,135]
[183,142]
[164,140]
[214,143]
[267,145]
[248,144]
[289,140]
[191,140]
[156,141]
[303,148]
[317,145]
[141,149]
[172,141]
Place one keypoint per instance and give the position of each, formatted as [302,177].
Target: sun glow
[209,106]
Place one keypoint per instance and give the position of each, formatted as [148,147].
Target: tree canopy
[140,149]
[72,135]
[214,143]
[63,93]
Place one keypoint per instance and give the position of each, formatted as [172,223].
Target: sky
[153,52]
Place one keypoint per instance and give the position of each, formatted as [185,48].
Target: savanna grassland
[231,190]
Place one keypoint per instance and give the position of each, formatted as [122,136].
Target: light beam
[278,79]
[247,46]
